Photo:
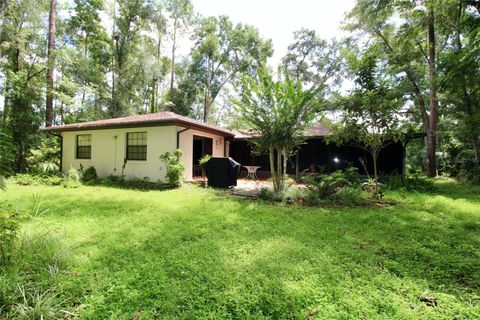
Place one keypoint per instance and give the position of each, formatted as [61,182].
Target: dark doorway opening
[201,147]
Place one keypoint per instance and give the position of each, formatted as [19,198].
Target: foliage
[89,175]
[6,157]
[8,233]
[470,171]
[277,113]
[45,158]
[134,183]
[311,59]
[370,117]
[28,179]
[124,165]
[203,160]
[222,51]
[72,178]
[350,196]
[174,167]
[270,195]
[324,186]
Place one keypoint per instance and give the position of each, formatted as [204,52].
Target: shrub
[8,231]
[27,179]
[351,175]
[72,179]
[323,186]
[469,171]
[174,167]
[134,183]
[45,158]
[270,195]
[350,196]
[203,160]
[89,175]
[295,195]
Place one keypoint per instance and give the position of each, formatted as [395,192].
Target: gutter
[178,135]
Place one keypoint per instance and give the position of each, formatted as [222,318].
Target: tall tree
[86,59]
[407,32]
[277,112]
[223,51]
[311,59]
[370,113]
[460,69]
[160,28]
[133,18]
[181,17]
[50,63]
[24,51]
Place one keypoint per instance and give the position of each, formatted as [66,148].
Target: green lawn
[197,253]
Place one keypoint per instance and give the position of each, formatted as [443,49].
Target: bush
[8,231]
[175,167]
[27,179]
[268,194]
[469,171]
[89,175]
[324,186]
[46,157]
[134,183]
[350,196]
[71,179]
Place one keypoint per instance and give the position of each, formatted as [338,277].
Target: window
[84,146]
[137,146]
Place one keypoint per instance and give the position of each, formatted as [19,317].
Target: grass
[199,254]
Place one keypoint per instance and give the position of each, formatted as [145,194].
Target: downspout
[178,135]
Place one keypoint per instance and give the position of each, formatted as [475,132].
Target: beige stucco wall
[108,153]
[186,144]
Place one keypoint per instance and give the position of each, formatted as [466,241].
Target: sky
[277,20]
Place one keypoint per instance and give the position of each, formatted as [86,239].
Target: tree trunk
[375,171]
[206,107]
[432,73]
[156,80]
[279,171]
[174,47]
[50,63]
[271,157]
[112,103]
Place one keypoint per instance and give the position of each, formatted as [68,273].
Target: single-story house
[141,139]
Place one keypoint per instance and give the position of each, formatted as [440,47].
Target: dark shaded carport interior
[316,155]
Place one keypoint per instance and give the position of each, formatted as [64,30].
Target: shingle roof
[150,119]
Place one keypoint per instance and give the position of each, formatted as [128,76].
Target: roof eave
[142,124]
